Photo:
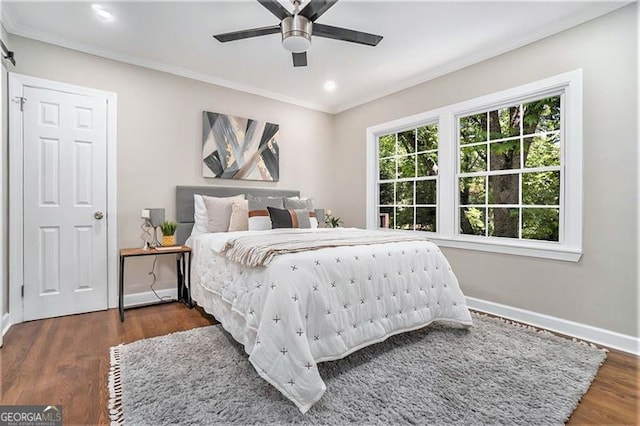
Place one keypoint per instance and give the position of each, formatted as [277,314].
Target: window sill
[530,250]
[533,249]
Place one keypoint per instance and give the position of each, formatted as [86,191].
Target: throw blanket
[259,250]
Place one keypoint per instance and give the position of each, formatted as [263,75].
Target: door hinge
[22,291]
[22,100]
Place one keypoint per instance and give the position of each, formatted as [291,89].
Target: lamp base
[155,243]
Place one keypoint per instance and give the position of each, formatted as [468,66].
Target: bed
[306,307]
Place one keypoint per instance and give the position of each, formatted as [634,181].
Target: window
[498,173]
[407,179]
[510,169]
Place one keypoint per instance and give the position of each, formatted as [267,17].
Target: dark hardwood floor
[66,361]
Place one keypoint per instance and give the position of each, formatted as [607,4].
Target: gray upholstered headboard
[184,202]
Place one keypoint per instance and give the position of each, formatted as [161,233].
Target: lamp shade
[156,217]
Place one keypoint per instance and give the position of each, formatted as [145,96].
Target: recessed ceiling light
[330,85]
[103,14]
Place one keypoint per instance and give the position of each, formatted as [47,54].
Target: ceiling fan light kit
[297,29]
[296,33]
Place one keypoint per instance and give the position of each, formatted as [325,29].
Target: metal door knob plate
[98,215]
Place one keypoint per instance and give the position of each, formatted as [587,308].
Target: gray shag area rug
[494,373]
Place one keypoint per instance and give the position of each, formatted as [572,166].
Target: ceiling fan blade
[316,8]
[254,32]
[299,59]
[344,34]
[276,8]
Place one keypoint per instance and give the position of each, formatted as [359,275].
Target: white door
[65,203]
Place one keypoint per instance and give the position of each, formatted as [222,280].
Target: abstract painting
[239,148]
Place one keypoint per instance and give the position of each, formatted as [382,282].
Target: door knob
[98,215]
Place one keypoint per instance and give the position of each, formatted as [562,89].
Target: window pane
[407,142]
[387,169]
[406,166]
[404,218]
[542,116]
[503,222]
[472,190]
[386,217]
[426,192]
[473,159]
[386,193]
[541,188]
[426,219]
[504,189]
[542,151]
[428,137]
[387,146]
[428,164]
[404,193]
[541,224]
[504,122]
[505,155]
[472,220]
[473,128]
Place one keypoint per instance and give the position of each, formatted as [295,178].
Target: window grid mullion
[486,195]
[521,122]
[395,186]
[511,171]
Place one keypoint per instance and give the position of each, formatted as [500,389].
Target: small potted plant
[332,221]
[168,233]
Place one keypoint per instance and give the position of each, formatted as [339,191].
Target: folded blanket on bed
[259,250]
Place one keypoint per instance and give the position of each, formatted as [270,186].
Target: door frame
[16,187]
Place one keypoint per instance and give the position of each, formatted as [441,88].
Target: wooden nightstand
[183,269]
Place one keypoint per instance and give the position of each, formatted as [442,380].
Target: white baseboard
[6,323]
[599,336]
[147,297]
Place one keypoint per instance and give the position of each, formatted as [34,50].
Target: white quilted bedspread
[321,305]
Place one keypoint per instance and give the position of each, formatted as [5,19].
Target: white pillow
[201,217]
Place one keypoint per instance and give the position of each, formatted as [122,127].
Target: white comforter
[321,305]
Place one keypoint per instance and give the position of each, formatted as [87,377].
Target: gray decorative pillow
[259,219]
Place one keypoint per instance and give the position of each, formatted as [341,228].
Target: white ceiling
[422,40]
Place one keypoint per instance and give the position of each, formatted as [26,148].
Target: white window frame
[569,248]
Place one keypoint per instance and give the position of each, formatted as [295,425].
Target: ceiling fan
[297,28]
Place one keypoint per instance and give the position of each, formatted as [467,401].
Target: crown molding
[14,28]
[483,55]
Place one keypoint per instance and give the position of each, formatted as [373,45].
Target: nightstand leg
[188,274]
[121,289]
[179,276]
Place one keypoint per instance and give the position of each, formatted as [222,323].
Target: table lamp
[154,217]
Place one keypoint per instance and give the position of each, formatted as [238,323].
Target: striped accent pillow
[259,219]
[289,218]
[302,203]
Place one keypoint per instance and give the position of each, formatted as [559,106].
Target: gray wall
[160,137]
[600,290]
